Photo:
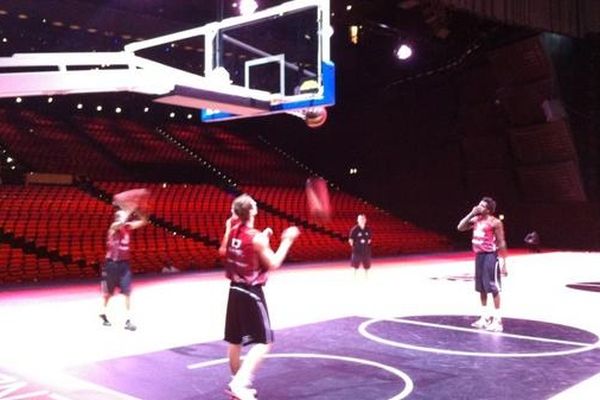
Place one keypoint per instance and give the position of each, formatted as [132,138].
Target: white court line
[55,396]
[408,383]
[30,395]
[577,347]
[209,363]
[62,386]
[76,384]
[479,331]
[594,285]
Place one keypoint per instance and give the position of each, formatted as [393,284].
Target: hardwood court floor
[403,332]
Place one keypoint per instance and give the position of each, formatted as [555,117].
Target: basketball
[133,199]
[317,198]
[315,117]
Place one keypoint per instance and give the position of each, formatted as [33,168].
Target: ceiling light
[403,52]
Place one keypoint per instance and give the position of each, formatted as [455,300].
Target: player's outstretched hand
[268,232]
[290,233]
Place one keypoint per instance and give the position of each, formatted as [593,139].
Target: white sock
[496,315]
[242,379]
[484,312]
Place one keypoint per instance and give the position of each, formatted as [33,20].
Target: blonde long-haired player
[248,260]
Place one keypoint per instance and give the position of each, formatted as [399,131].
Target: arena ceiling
[444,33]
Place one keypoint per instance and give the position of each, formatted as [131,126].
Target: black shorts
[116,274]
[487,273]
[247,319]
[361,257]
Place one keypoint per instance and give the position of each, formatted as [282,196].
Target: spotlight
[50,100]
[354,34]
[118,110]
[172,115]
[247,7]
[146,109]
[79,106]
[98,108]
[19,100]
[403,52]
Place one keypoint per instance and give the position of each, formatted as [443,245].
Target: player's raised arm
[120,219]
[228,224]
[141,220]
[465,224]
[269,258]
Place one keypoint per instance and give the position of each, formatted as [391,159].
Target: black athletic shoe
[129,326]
[105,321]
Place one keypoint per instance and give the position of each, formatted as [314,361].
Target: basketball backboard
[275,60]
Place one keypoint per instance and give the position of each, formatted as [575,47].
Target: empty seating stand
[392,235]
[54,221]
[244,159]
[47,144]
[55,232]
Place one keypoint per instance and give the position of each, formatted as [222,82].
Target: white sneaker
[242,392]
[495,326]
[481,323]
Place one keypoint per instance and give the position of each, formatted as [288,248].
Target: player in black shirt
[360,239]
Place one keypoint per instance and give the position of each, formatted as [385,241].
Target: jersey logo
[479,231]
[236,243]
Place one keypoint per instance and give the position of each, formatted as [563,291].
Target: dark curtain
[570,17]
